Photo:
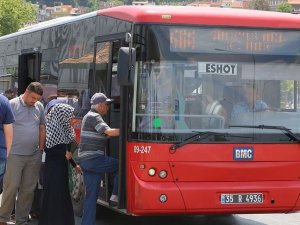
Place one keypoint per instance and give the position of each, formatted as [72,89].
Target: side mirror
[126,65]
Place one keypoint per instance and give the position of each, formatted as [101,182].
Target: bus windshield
[197,79]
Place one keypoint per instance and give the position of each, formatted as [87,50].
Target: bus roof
[203,16]
[48,23]
[180,15]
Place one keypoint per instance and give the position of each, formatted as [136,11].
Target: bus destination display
[232,41]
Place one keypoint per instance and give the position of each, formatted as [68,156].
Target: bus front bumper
[208,197]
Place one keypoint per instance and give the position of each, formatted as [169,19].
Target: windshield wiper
[198,136]
[284,130]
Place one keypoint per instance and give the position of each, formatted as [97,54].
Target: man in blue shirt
[249,104]
[6,134]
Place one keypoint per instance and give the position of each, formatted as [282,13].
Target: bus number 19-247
[142,149]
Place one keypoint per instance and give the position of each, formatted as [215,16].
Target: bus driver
[249,104]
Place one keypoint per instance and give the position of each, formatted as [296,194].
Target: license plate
[251,198]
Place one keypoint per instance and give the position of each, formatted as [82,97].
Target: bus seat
[205,113]
[216,114]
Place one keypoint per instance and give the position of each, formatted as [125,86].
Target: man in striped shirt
[93,162]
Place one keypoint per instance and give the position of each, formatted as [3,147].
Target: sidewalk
[31,222]
[36,221]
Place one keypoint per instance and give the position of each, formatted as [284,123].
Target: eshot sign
[217,68]
[243,153]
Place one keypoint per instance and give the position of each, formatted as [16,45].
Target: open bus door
[104,78]
[29,69]
[105,81]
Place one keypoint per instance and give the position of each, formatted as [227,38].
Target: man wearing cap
[93,162]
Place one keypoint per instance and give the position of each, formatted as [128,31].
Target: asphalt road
[107,217]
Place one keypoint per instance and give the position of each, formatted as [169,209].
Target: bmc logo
[243,153]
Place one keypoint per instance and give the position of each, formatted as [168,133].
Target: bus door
[105,81]
[29,69]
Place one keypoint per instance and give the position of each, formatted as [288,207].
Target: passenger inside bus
[82,106]
[249,102]
[206,112]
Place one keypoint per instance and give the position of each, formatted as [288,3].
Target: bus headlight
[151,172]
[163,174]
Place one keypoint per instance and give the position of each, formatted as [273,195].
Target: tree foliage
[284,7]
[75,3]
[116,2]
[259,5]
[14,14]
[94,5]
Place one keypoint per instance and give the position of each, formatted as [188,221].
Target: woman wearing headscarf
[52,103]
[57,206]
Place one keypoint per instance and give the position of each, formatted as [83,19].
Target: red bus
[191,141]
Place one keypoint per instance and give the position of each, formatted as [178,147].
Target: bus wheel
[77,192]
